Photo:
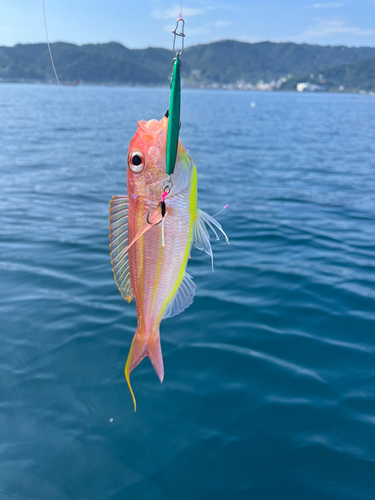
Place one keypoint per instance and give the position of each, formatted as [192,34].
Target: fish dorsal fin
[201,238]
[118,226]
[182,299]
[183,171]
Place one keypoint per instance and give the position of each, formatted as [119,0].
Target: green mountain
[352,77]
[229,61]
[109,63]
[221,63]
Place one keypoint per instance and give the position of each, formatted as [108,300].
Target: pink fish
[151,242]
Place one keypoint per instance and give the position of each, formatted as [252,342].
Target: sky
[148,23]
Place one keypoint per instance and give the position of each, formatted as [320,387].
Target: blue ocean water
[269,389]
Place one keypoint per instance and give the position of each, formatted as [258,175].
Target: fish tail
[141,348]
[155,355]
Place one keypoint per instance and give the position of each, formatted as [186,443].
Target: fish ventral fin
[182,299]
[118,226]
[201,237]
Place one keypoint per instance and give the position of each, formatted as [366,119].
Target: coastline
[262,87]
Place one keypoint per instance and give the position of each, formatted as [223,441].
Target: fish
[152,230]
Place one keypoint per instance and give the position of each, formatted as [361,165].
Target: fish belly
[156,272]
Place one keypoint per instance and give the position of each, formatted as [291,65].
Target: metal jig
[175,100]
[173,115]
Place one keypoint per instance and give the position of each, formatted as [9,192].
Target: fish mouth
[151,126]
[152,129]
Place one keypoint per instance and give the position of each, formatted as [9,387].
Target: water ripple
[269,375]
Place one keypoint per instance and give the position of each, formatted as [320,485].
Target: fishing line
[67,106]
[222,210]
[253,205]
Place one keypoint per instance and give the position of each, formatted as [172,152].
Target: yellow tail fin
[141,348]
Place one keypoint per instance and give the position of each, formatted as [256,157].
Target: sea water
[269,389]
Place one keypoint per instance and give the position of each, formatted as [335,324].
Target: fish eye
[136,161]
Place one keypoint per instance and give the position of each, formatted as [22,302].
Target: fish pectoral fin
[182,299]
[118,209]
[201,238]
[153,219]
[118,226]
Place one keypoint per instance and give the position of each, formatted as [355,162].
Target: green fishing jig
[174,103]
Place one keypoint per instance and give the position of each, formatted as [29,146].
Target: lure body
[155,275]
[174,118]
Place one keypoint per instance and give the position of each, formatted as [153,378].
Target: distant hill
[229,61]
[109,63]
[352,77]
[224,62]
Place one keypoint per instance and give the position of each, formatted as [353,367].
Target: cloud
[199,30]
[221,24]
[253,39]
[334,27]
[205,29]
[174,12]
[329,5]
